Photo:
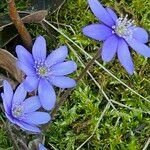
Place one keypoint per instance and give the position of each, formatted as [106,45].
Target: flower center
[18,111]
[41,69]
[124,27]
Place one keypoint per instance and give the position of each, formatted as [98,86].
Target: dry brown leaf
[8,62]
[11,81]
[35,17]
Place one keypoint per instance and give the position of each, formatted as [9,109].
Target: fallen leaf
[8,62]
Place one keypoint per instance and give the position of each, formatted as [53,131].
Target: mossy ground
[77,119]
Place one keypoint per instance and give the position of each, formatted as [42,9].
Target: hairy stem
[19,24]
[9,130]
[68,91]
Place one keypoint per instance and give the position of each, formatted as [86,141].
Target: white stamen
[124,27]
[41,69]
[17,111]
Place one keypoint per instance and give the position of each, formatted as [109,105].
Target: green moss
[4,138]
[77,118]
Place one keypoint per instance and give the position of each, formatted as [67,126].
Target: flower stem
[19,24]
[9,130]
[68,91]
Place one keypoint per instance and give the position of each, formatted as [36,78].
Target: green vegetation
[78,118]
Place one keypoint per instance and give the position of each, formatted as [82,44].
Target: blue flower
[44,72]
[41,147]
[117,34]
[21,111]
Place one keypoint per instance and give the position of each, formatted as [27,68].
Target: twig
[52,146]
[19,24]
[67,92]
[130,108]
[147,144]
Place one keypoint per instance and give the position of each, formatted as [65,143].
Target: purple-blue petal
[63,68]
[39,49]
[100,12]
[62,82]
[112,14]
[125,57]
[23,125]
[11,118]
[31,83]
[24,56]
[47,94]
[57,56]
[139,47]
[97,31]
[41,147]
[140,34]
[37,118]
[7,96]
[19,95]
[109,48]
[28,127]
[7,107]
[28,70]
[31,104]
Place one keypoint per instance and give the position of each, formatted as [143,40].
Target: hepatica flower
[21,111]
[41,147]
[117,34]
[44,72]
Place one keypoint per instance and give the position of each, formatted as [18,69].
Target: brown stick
[19,24]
